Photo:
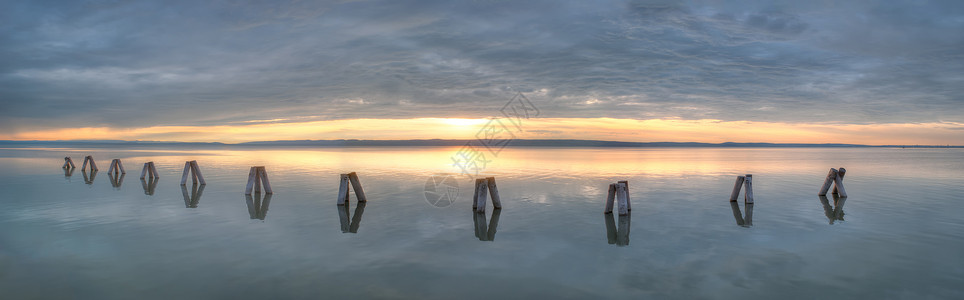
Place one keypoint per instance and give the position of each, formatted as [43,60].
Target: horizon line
[459,142]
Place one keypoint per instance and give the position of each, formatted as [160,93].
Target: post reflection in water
[149,186]
[190,200]
[257,208]
[741,219]
[618,235]
[115,180]
[89,179]
[69,172]
[486,232]
[835,212]
[343,215]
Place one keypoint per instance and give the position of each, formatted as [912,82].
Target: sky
[869,72]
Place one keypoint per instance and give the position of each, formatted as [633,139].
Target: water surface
[899,234]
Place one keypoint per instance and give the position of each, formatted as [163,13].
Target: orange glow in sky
[632,130]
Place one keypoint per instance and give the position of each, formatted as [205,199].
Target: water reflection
[483,231]
[257,208]
[835,212]
[89,179]
[618,235]
[190,200]
[69,172]
[343,215]
[741,219]
[115,180]
[150,185]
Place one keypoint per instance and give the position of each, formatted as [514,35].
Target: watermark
[441,190]
[473,157]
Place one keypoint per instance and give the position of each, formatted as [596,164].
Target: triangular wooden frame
[116,167]
[256,177]
[618,193]
[149,170]
[195,171]
[68,163]
[343,188]
[484,187]
[835,178]
[93,166]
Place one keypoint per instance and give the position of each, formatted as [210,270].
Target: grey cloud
[130,64]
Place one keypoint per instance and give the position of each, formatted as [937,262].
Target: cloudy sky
[875,72]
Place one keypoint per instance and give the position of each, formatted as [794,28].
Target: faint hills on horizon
[444,143]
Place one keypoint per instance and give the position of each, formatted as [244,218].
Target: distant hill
[431,143]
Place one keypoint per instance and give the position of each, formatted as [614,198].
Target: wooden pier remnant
[483,188]
[834,178]
[149,170]
[746,183]
[116,167]
[344,188]
[256,177]
[195,171]
[68,163]
[93,166]
[618,194]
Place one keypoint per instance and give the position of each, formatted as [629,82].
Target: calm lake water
[899,234]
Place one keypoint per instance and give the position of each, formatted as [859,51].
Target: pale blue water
[901,235]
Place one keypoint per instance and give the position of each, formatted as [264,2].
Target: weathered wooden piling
[494,192]
[840,174]
[90,159]
[622,198]
[347,183]
[828,182]
[116,167]
[481,194]
[257,177]
[834,178]
[484,187]
[629,203]
[838,184]
[356,185]
[149,170]
[610,199]
[735,195]
[68,163]
[191,167]
[748,183]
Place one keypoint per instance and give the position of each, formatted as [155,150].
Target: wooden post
[342,189]
[840,173]
[629,203]
[610,198]
[475,194]
[264,179]
[621,196]
[257,176]
[494,191]
[197,172]
[116,167]
[68,163]
[827,182]
[748,181]
[149,170]
[93,166]
[482,191]
[838,185]
[187,170]
[735,195]
[356,185]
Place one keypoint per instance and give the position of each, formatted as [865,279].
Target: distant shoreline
[560,143]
